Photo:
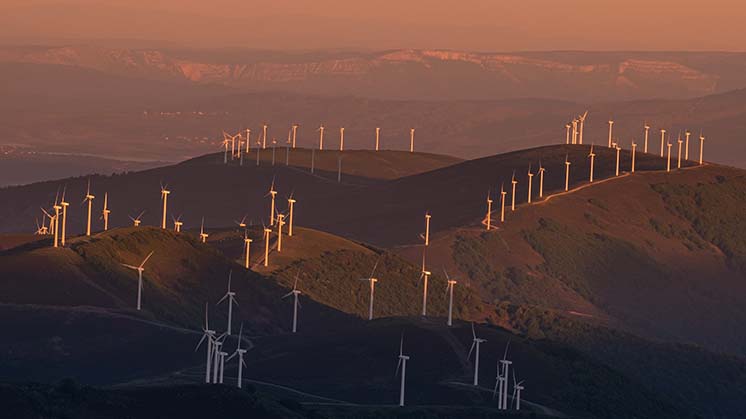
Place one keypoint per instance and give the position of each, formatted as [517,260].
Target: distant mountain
[419,74]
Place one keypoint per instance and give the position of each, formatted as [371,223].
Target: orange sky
[489,25]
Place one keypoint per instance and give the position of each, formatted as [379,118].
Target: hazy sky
[486,25]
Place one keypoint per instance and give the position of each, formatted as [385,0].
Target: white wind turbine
[89,198]
[248,140]
[450,284]
[202,235]
[64,204]
[514,183]
[231,296]
[378,137]
[164,198]
[177,223]
[216,346]
[267,233]
[411,140]
[106,211]
[372,280]
[296,304]
[663,140]
[291,204]
[295,133]
[505,367]
[140,269]
[424,275]
[264,136]
[530,182]
[592,156]
[500,383]
[240,352]
[541,179]
[247,247]
[475,345]
[647,133]
[582,124]
[687,134]
[517,388]
[403,365]
[567,133]
[342,139]
[225,143]
[321,139]
[136,221]
[567,173]
[272,194]
[611,125]
[208,335]
[574,131]
[701,147]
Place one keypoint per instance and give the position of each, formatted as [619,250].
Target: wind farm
[307,252]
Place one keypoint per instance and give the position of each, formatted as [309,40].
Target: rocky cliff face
[423,74]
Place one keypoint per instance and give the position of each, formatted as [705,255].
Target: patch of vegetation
[716,212]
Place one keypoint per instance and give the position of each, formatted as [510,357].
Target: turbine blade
[200,342]
[473,344]
[146,259]
[221,300]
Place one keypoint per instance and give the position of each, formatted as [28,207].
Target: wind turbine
[177,223]
[475,344]
[89,198]
[411,140]
[267,232]
[272,194]
[216,346]
[378,136]
[502,202]
[231,298]
[687,134]
[701,147]
[567,173]
[427,228]
[288,143]
[530,182]
[264,136]
[105,213]
[450,284]
[517,388]
[668,160]
[611,125]
[680,141]
[505,367]
[647,131]
[291,204]
[57,207]
[140,269]
[136,221]
[342,139]
[208,335]
[202,235]
[500,383]
[222,355]
[618,151]
[403,365]
[321,138]
[489,211]
[64,204]
[295,133]
[295,293]
[242,223]
[258,144]
[582,123]
[592,155]
[240,352]
[248,140]
[280,223]
[164,198]
[425,275]
[514,182]
[567,133]
[339,168]
[372,282]
[541,180]
[663,140]
[247,247]
[52,225]
[634,152]
[274,150]
[574,131]
[225,147]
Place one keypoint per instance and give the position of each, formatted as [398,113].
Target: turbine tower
[582,124]
[634,152]
[488,217]
[272,194]
[105,213]
[678,164]
[427,228]
[411,140]
[267,232]
[321,139]
[57,207]
[89,198]
[514,182]
[425,275]
[574,131]
[248,140]
[701,147]
[611,126]
[280,223]
[687,134]
[475,344]
[342,139]
[647,131]
[240,352]
[618,151]
[378,136]
[140,269]
[295,293]
[295,133]
[541,180]
[592,156]
[505,367]
[231,298]
[247,248]
[450,284]
[164,198]
[202,235]
[668,160]
[264,136]
[403,365]
[663,140]
[530,182]
[567,133]
[291,204]
[64,204]
[517,388]
[208,336]
[372,280]
[567,174]
[502,202]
